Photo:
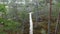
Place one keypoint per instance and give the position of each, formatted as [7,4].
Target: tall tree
[49,21]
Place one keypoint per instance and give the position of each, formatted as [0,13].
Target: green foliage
[3,33]
[9,24]
[24,14]
[58,5]
[2,8]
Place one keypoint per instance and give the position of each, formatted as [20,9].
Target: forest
[14,16]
